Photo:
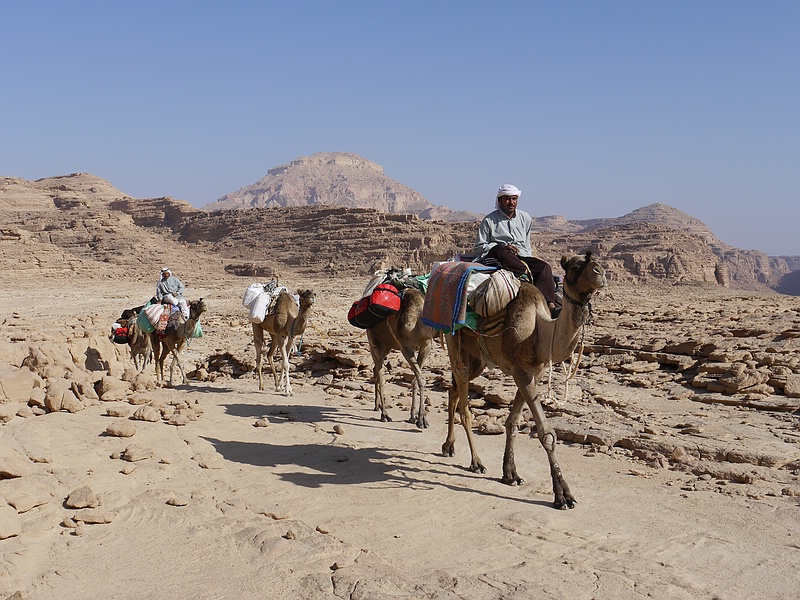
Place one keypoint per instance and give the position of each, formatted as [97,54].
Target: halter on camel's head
[574,270]
[197,307]
[307,297]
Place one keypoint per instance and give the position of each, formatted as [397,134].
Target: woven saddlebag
[492,296]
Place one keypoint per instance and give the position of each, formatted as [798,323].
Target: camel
[284,323]
[528,342]
[175,338]
[139,343]
[403,331]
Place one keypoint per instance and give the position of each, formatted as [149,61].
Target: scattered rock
[83,497]
[135,453]
[93,517]
[121,428]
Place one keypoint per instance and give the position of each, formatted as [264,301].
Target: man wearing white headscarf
[170,289]
[504,239]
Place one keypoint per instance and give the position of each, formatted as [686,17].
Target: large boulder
[59,396]
[17,385]
[111,389]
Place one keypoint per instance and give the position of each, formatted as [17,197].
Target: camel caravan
[162,327]
[500,308]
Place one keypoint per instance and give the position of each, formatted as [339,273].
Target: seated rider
[504,239]
[169,290]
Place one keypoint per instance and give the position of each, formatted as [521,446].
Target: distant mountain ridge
[82,219]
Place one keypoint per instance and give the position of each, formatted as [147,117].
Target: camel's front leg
[285,375]
[510,475]
[177,360]
[547,436]
[449,446]
[418,414]
[380,390]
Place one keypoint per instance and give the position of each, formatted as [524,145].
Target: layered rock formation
[81,220]
[334,179]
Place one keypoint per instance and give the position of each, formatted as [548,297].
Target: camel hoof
[477,469]
[386,418]
[565,503]
[448,450]
[512,480]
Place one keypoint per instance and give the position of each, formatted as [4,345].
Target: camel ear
[564,261]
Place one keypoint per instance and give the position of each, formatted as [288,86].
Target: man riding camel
[504,239]
[169,289]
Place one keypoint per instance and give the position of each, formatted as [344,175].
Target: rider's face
[508,204]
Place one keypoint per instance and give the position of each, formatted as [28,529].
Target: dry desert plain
[680,438]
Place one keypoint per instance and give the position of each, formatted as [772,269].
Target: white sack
[259,306]
[252,293]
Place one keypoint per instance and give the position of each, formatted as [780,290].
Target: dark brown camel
[403,331]
[175,338]
[139,343]
[284,324]
[527,341]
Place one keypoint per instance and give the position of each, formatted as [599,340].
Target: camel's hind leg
[458,396]
[258,342]
[159,354]
[271,360]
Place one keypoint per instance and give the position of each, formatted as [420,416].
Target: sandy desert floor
[329,502]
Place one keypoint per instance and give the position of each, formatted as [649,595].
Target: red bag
[371,310]
[121,335]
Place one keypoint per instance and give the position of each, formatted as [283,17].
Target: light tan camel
[175,338]
[139,343]
[284,323]
[528,341]
[403,331]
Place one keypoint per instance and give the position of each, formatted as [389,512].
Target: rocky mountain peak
[333,179]
[328,159]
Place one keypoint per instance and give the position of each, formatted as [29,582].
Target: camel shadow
[282,413]
[203,389]
[305,414]
[322,465]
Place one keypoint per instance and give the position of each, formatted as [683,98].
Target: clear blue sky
[592,108]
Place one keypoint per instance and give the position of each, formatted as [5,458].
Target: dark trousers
[540,271]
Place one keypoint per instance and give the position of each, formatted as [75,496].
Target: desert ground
[685,491]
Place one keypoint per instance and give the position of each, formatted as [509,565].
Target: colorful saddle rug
[445,305]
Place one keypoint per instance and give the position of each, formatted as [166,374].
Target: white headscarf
[506,190]
[166,270]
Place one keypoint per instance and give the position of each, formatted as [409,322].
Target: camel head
[197,308]
[307,298]
[583,276]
